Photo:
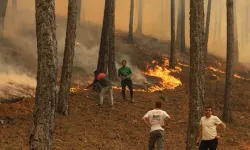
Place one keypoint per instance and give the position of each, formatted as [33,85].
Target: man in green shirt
[125,74]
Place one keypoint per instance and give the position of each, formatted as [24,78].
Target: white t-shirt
[209,125]
[156,118]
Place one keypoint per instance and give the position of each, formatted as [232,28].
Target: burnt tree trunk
[102,65]
[3,8]
[178,36]
[172,54]
[44,113]
[131,20]
[111,61]
[62,107]
[139,24]
[183,44]
[197,71]
[79,8]
[236,45]
[207,28]
[227,111]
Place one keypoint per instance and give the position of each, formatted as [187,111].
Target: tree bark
[172,54]
[197,71]
[131,20]
[3,8]
[178,36]
[102,65]
[236,45]
[227,111]
[139,24]
[183,44]
[63,107]
[207,28]
[44,113]
[111,61]
[79,8]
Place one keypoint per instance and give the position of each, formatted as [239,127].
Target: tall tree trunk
[44,113]
[79,8]
[227,111]
[68,58]
[178,36]
[3,8]
[131,20]
[183,45]
[139,24]
[197,71]
[172,54]
[236,45]
[102,65]
[207,28]
[111,61]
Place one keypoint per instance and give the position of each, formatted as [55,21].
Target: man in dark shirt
[125,74]
[105,85]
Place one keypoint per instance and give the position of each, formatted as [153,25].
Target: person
[208,133]
[125,74]
[102,82]
[155,119]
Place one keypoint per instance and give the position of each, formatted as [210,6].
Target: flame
[74,89]
[168,81]
[234,75]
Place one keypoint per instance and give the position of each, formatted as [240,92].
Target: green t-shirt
[125,71]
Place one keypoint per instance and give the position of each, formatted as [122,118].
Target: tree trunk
[172,54]
[111,61]
[197,71]
[139,24]
[207,28]
[3,8]
[178,36]
[79,8]
[236,45]
[44,113]
[183,45]
[227,111]
[68,58]
[183,26]
[102,65]
[131,20]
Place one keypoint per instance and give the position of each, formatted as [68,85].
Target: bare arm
[223,128]
[146,121]
[199,134]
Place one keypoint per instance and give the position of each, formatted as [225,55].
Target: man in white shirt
[208,133]
[155,119]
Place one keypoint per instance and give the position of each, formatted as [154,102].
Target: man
[101,81]
[155,119]
[125,74]
[208,133]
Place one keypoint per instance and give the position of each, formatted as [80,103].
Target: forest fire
[234,75]
[168,81]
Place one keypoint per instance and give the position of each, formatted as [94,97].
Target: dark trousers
[127,82]
[209,144]
[156,136]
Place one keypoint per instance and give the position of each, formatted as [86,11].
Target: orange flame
[168,81]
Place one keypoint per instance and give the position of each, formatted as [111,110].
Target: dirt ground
[93,127]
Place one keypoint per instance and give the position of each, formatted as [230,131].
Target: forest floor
[93,127]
